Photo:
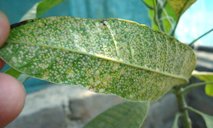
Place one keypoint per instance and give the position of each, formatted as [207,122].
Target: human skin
[12,93]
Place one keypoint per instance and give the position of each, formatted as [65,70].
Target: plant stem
[180,93]
[193,86]
[182,107]
[194,41]
[157,16]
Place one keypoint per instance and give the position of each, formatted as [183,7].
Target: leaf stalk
[188,88]
[194,41]
[182,105]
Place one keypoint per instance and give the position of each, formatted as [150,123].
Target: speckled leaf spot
[107,56]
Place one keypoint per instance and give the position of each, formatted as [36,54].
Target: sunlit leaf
[166,13]
[207,118]
[209,89]
[207,77]
[179,6]
[46,5]
[31,13]
[125,115]
[108,56]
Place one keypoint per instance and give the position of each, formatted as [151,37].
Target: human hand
[12,94]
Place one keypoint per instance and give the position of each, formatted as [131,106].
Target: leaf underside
[125,115]
[108,56]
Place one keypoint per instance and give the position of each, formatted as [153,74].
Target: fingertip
[4,28]
[12,97]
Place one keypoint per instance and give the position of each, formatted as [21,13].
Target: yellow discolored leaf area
[108,56]
[179,6]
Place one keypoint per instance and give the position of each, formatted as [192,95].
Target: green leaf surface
[179,6]
[107,56]
[207,118]
[207,77]
[209,89]
[125,115]
[175,123]
[18,75]
[13,72]
[166,13]
[46,5]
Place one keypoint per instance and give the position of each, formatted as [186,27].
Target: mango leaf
[125,115]
[207,118]
[165,14]
[207,77]
[175,123]
[107,56]
[46,5]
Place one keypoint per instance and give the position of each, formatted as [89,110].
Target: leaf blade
[207,77]
[83,51]
[125,115]
[13,72]
[166,14]
[46,5]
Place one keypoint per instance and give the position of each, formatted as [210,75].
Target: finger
[4,28]
[12,96]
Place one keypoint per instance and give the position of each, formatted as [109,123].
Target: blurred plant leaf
[13,72]
[16,74]
[31,13]
[165,14]
[175,123]
[108,56]
[209,89]
[125,115]
[207,77]
[207,118]
[46,5]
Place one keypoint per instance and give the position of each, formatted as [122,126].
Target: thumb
[12,96]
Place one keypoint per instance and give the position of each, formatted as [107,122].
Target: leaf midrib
[105,58]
